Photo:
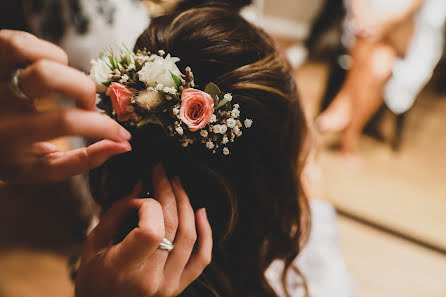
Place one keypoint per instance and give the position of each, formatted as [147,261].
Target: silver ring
[166,245]
[15,87]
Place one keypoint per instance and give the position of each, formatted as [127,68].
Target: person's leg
[368,93]
[338,114]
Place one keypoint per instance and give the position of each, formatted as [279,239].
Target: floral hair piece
[144,88]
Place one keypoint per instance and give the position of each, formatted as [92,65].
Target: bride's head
[253,196]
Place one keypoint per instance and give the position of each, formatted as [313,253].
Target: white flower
[100,72]
[225,151]
[228,97]
[224,128]
[235,113]
[159,87]
[161,52]
[124,79]
[204,133]
[217,129]
[236,106]
[213,118]
[210,145]
[179,130]
[148,99]
[168,90]
[231,123]
[225,140]
[236,130]
[176,111]
[248,123]
[158,71]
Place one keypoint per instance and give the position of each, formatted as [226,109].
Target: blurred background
[372,78]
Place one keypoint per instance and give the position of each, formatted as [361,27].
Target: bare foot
[336,117]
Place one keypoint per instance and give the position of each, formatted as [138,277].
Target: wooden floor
[404,191]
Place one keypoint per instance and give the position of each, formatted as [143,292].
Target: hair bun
[230,4]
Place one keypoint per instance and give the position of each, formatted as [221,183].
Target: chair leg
[400,121]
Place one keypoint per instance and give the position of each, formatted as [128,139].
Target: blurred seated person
[378,33]
[411,74]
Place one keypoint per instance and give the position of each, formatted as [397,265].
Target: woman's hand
[136,267]
[24,154]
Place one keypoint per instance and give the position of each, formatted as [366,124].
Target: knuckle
[42,69]
[150,233]
[171,225]
[152,286]
[189,238]
[169,291]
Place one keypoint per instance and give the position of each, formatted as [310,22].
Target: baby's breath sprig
[145,88]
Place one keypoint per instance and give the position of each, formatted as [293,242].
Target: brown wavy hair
[253,197]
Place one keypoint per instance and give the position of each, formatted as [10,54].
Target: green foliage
[176,79]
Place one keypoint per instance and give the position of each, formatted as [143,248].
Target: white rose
[100,72]
[157,71]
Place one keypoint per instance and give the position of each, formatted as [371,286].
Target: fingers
[203,255]
[165,196]
[140,243]
[21,48]
[61,166]
[45,77]
[36,127]
[186,234]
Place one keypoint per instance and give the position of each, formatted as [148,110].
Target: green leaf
[212,89]
[150,120]
[226,107]
[176,79]
[222,103]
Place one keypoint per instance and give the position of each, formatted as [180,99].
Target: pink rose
[197,108]
[121,97]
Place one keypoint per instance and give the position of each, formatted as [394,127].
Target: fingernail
[127,146]
[125,134]
[204,213]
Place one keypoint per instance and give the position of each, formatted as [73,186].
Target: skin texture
[135,267]
[25,156]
